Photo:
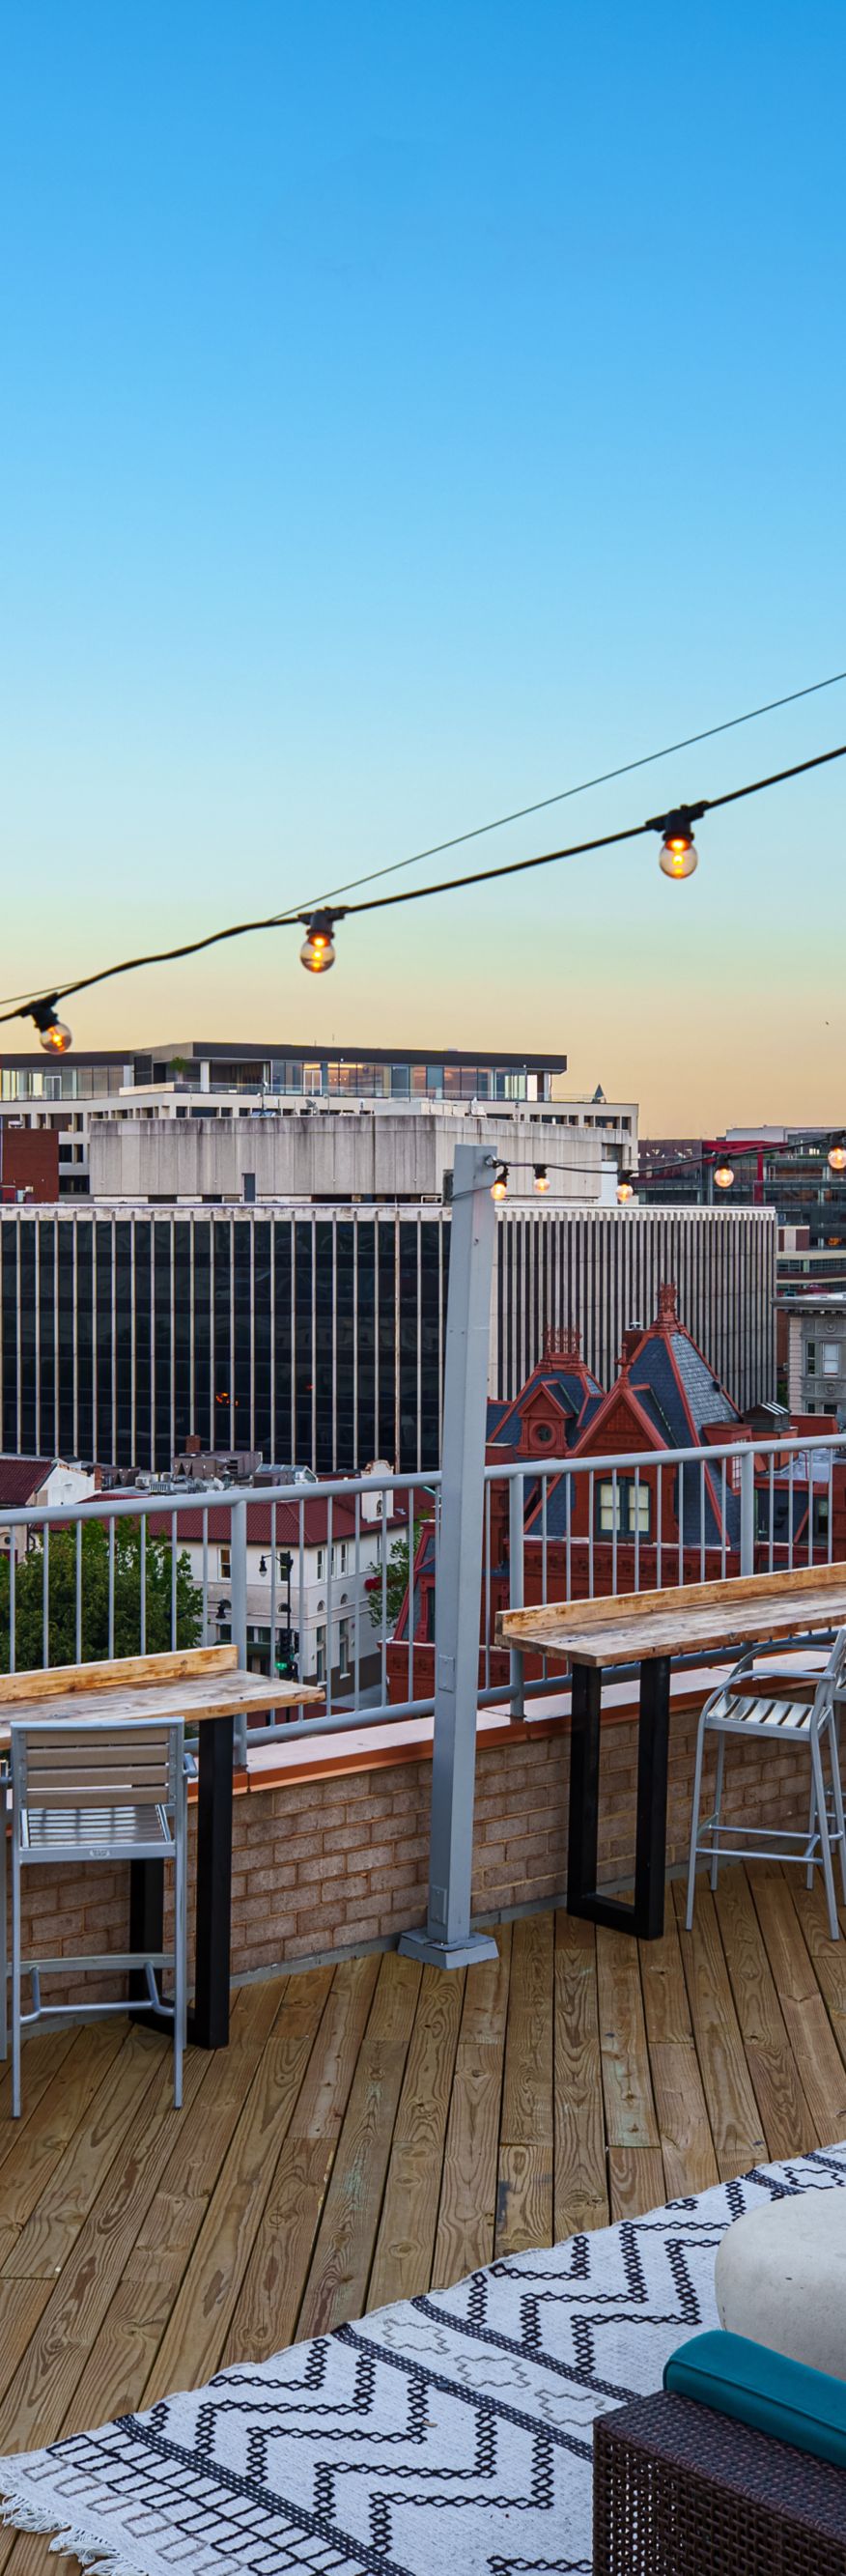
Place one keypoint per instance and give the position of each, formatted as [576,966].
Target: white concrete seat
[780,2278]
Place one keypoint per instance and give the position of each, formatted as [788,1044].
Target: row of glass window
[404,1081]
[204,1350]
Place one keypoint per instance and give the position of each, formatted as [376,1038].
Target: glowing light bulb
[624,1192]
[53,1034]
[678,856]
[317,953]
[500,1186]
[541,1179]
[724,1176]
[837,1158]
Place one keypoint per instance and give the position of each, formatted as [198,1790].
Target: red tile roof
[315,1521]
[21,1479]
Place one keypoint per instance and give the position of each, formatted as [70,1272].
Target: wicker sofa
[738,2465]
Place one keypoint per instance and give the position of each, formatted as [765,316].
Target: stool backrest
[833,1678]
[99,1763]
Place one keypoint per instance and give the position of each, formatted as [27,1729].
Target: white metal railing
[31,1627]
[673,1516]
[559,1528]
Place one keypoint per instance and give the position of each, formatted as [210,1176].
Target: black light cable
[582,788]
[604,778]
[678,858]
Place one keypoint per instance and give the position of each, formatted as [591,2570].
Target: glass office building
[316,1334]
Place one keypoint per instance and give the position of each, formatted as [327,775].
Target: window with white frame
[831,1359]
[622,1508]
[343,1556]
[320,1654]
[344,1645]
[226,1563]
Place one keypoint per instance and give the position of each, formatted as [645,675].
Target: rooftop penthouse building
[230,1123]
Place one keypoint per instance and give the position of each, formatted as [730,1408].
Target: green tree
[396,1582]
[62,1633]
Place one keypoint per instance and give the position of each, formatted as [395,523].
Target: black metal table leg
[208,2025]
[653,1741]
[645,1917]
[586,1702]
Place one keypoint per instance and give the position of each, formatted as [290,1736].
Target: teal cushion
[762,2388]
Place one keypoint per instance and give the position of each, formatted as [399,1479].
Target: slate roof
[496,1415]
[572,1387]
[679,1396]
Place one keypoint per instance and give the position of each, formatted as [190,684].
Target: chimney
[667,1308]
[632,1339]
[193,1445]
[566,1344]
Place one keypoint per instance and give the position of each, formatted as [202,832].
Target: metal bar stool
[742,1707]
[98,1790]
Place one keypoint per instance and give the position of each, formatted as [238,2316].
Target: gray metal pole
[238,1574]
[747,1511]
[516,1579]
[448,1941]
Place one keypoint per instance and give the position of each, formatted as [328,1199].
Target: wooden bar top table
[649,1628]
[204,1686]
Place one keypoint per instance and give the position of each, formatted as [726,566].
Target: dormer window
[542,1434]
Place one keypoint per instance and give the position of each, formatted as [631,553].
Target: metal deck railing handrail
[738,1482]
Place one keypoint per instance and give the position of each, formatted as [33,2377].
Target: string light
[317,953]
[624,1192]
[837,1158]
[541,1179]
[499,1189]
[53,1033]
[724,1176]
[679,856]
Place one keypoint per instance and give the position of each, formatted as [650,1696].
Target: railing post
[516,1595]
[238,1572]
[747,1511]
[447,1941]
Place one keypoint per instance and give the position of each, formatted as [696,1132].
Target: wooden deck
[373,2129]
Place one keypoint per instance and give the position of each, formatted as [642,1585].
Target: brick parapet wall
[351,1865]
[332,1863]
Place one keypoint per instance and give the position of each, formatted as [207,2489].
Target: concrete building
[816,1353]
[228,1124]
[357,1152]
[315,1333]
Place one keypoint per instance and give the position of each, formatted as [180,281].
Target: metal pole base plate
[448,1954]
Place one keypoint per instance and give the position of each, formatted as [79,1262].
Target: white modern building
[224,1123]
[313,1572]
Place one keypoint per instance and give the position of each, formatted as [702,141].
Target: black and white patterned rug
[448,2433]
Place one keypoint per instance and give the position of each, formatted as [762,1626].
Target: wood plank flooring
[376,2129]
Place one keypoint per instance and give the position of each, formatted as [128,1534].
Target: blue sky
[408,411]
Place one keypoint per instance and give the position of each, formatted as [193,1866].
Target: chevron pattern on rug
[450,2433]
